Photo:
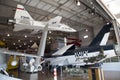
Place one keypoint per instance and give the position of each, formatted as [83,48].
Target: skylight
[113,6]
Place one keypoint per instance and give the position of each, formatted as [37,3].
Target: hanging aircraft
[23,20]
[95,53]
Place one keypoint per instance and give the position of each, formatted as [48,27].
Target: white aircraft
[23,21]
[95,53]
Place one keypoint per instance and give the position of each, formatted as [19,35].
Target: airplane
[5,77]
[93,54]
[23,20]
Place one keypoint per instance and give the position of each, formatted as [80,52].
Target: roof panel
[46,7]
[73,18]
[40,17]
[68,15]
[33,2]
[51,9]
[52,2]
[41,5]
[17,0]
[23,1]
[81,19]
[64,13]
[34,15]
[56,12]
[69,3]
[62,1]
[6,11]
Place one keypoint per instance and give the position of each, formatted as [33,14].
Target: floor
[112,75]
[47,75]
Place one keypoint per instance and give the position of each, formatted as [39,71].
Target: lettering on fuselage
[81,55]
[24,17]
[54,22]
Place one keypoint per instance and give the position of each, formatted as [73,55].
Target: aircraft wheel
[40,68]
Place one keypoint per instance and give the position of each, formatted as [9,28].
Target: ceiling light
[18,40]
[20,46]
[30,40]
[25,43]
[38,37]
[86,30]
[49,42]
[25,36]
[91,2]
[3,39]
[49,31]
[86,36]
[108,23]
[93,7]
[92,13]
[28,45]
[49,37]
[8,35]
[13,43]
[77,2]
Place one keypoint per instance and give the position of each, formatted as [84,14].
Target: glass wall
[113,59]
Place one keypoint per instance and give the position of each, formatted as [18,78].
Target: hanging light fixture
[30,40]
[18,40]
[77,2]
[38,37]
[13,43]
[8,35]
[25,36]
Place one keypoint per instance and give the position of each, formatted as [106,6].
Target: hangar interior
[88,18]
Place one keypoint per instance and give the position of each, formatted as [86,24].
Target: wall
[113,66]
[2,58]
[3,61]
[82,33]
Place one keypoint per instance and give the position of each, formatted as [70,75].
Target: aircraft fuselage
[79,56]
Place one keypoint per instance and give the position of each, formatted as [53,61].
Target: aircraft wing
[4,77]
[34,31]
[4,51]
[62,50]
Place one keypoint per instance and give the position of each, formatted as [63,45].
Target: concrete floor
[44,76]
[112,75]
[47,75]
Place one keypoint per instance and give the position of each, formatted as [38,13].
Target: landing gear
[40,68]
[30,66]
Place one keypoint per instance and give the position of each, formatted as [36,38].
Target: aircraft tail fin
[102,37]
[19,28]
[22,14]
[55,20]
